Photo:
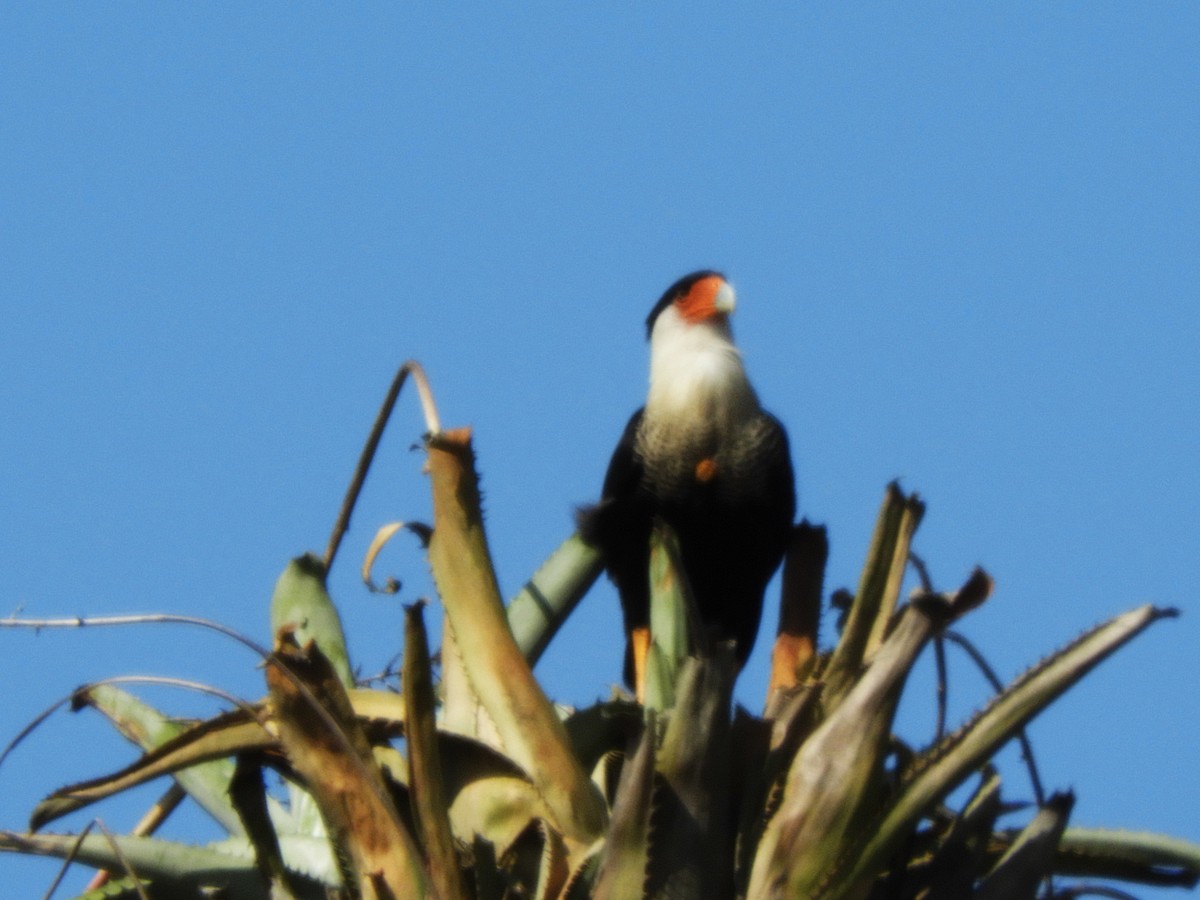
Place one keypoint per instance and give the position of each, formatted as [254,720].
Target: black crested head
[678,289]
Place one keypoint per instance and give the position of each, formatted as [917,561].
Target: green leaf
[499,675]
[1138,856]
[248,793]
[301,604]
[207,784]
[543,604]
[625,859]
[963,853]
[326,744]
[602,728]
[832,781]
[1027,862]
[692,854]
[175,870]
[671,638]
[219,737]
[878,590]
[224,735]
[796,715]
[425,772]
[943,768]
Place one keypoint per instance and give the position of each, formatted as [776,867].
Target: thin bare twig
[390,672]
[939,648]
[432,426]
[146,826]
[120,679]
[123,860]
[922,571]
[939,658]
[67,860]
[136,619]
[168,681]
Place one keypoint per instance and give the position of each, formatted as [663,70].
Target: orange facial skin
[700,303]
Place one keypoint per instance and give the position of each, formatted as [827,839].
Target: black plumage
[706,458]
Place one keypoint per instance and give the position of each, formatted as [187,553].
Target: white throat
[697,382]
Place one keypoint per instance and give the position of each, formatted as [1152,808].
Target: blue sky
[964,238]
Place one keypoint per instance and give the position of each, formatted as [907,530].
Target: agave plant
[473,784]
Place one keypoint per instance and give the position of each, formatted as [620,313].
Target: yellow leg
[639,641]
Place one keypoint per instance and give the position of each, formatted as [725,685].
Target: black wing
[600,524]
[619,527]
[624,473]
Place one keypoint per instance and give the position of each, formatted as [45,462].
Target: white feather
[697,383]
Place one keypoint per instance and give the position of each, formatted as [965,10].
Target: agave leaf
[498,808]
[224,735]
[554,868]
[221,736]
[691,854]
[671,634]
[1138,856]
[911,511]
[461,710]
[606,775]
[327,746]
[658,684]
[952,871]
[583,877]
[381,712]
[526,721]
[624,861]
[878,590]
[535,864]
[248,793]
[488,881]
[1029,859]
[124,887]
[425,771]
[488,795]
[310,857]
[174,870]
[207,784]
[794,655]
[834,777]
[796,715]
[301,604]
[602,728]
[981,811]
[941,769]
[543,604]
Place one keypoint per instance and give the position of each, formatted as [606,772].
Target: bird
[703,456]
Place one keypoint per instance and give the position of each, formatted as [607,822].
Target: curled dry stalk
[432,426]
